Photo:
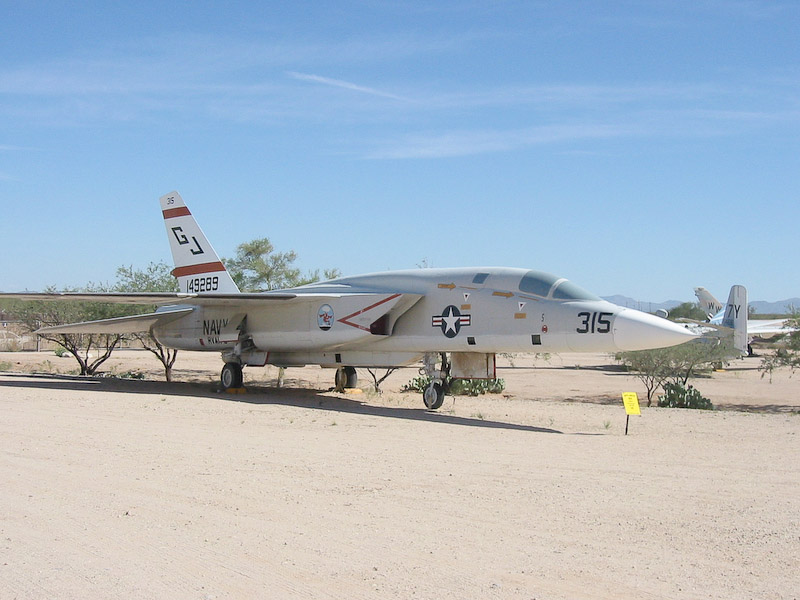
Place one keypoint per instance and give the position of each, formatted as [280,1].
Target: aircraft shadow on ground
[300,398]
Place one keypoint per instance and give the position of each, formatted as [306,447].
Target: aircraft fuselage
[391,318]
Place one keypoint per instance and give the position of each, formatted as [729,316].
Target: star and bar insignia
[451,321]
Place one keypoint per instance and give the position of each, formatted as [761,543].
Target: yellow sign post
[631,402]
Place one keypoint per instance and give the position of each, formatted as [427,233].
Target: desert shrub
[459,387]
[418,384]
[5,365]
[476,387]
[677,396]
[131,375]
[114,374]
[60,351]
[788,355]
[676,364]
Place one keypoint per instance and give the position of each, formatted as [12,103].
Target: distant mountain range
[760,306]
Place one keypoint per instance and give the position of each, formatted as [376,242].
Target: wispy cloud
[466,143]
[195,78]
[345,85]
[638,123]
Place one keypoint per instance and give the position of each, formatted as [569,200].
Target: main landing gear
[435,366]
[231,376]
[346,377]
[243,353]
[433,394]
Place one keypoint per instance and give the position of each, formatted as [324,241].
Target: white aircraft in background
[761,328]
[459,318]
[731,319]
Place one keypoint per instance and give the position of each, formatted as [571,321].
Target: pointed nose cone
[635,330]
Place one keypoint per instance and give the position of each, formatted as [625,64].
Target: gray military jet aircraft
[455,320]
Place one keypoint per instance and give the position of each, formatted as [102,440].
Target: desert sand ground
[116,488]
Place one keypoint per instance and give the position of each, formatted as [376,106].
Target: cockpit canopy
[551,286]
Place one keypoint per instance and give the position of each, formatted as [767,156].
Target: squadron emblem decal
[451,321]
[325,317]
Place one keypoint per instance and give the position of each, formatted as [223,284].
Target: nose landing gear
[433,394]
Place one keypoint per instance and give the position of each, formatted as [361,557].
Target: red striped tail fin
[197,266]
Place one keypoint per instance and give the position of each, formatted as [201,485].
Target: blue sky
[635,147]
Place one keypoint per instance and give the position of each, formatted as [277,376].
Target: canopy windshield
[548,285]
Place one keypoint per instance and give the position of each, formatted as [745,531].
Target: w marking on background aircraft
[454,320]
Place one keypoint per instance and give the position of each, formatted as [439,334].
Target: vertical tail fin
[707,301]
[197,266]
[736,317]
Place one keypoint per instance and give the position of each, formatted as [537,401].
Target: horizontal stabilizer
[130,324]
[701,324]
[769,327]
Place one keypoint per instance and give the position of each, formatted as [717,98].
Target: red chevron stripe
[211,267]
[181,211]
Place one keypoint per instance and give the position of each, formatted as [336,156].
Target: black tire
[346,377]
[231,376]
[433,396]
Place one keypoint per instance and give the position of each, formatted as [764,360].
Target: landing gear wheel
[231,376]
[433,396]
[346,377]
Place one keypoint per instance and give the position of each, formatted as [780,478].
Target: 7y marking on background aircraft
[454,320]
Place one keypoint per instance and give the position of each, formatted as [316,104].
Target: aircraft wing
[700,327]
[768,327]
[755,327]
[129,324]
[204,299]
[157,298]
[374,312]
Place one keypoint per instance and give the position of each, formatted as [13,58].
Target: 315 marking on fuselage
[594,322]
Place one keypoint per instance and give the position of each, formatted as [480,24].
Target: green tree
[688,310]
[676,364]
[787,355]
[258,267]
[89,350]
[686,360]
[650,366]
[92,350]
[155,277]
